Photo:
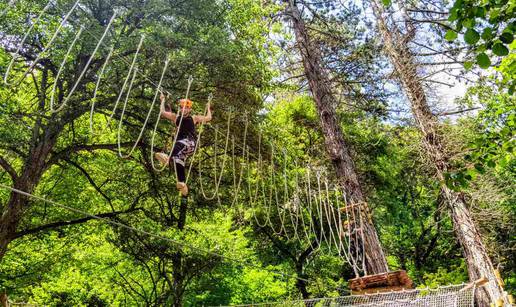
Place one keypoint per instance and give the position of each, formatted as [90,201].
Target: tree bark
[17,203]
[466,232]
[336,146]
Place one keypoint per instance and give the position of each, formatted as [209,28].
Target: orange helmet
[185,103]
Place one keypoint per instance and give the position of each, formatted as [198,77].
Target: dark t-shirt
[187,128]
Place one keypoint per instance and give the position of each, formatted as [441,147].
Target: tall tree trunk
[17,204]
[178,265]
[41,145]
[336,146]
[466,232]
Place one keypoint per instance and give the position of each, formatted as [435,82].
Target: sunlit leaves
[471,36]
[500,49]
[483,60]
[450,35]
[489,25]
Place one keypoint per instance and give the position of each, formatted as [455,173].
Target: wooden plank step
[390,281]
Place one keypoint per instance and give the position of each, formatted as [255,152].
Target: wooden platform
[385,282]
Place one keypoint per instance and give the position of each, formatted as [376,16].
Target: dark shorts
[182,150]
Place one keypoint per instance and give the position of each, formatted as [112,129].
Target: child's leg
[180,172]
[179,158]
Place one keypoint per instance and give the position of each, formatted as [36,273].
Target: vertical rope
[22,42]
[63,63]
[83,72]
[237,190]
[148,113]
[219,180]
[198,142]
[49,44]
[131,68]
[190,80]
[97,84]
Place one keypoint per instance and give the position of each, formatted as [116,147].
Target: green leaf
[471,36]
[468,65]
[483,60]
[480,168]
[386,2]
[487,33]
[468,23]
[500,50]
[453,15]
[493,15]
[507,37]
[450,35]
[481,12]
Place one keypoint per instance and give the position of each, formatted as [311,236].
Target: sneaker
[161,157]
[183,188]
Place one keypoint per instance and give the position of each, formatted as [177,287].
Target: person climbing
[185,140]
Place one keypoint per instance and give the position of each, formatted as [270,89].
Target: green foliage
[457,275]
[494,145]
[489,24]
[227,47]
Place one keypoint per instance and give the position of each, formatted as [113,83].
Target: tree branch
[8,168]
[457,111]
[68,223]
[92,182]
[65,153]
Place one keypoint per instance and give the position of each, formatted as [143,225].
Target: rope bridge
[446,296]
[307,207]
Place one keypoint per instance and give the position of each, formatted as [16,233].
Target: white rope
[237,190]
[318,207]
[259,183]
[94,99]
[180,112]
[273,191]
[50,42]
[146,118]
[198,143]
[119,137]
[22,42]
[295,204]
[83,72]
[219,180]
[303,223]
[215,146]
[129,73]
[310,212]
[328,209]
[63,64]
[285,197]
[276,197]
[182,244]
[342,247]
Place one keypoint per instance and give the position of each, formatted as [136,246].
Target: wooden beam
[390,281]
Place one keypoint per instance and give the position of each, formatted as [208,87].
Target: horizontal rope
[197,250]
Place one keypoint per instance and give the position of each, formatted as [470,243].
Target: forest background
[227,246]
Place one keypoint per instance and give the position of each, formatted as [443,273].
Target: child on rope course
[186,138]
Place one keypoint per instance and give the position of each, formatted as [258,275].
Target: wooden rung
[390,281]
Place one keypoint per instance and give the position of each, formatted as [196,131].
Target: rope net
[448,296]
